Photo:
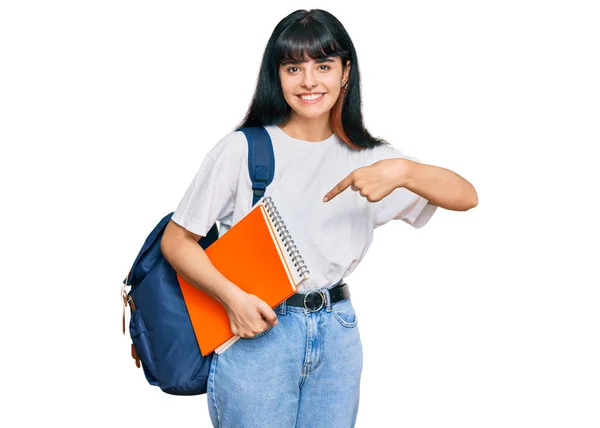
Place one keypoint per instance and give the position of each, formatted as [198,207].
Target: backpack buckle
[259,187]
[124,297]
[127,301]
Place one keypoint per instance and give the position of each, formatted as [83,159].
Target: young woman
[299,364]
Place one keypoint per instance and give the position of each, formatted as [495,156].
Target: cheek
[287,89]
[333,82]
[334,88]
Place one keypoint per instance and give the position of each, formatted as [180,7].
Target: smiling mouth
[311,97]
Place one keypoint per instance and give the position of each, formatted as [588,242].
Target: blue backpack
[163,338]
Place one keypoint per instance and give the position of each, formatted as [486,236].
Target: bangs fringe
[301,42]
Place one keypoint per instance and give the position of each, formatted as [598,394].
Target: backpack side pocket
[139,336]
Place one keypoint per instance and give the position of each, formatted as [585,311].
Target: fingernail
[325,199]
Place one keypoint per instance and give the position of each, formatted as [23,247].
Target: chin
[311,114]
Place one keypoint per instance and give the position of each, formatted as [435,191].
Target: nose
[309,80]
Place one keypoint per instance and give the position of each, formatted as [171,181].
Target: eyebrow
[318,61]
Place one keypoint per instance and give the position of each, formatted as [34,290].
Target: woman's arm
[438,185]
[180,248]
[248,315]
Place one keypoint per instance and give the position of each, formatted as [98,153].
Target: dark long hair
[300,36]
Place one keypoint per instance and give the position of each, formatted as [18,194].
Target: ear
[346,72]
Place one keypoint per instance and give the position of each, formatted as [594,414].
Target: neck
[307,129]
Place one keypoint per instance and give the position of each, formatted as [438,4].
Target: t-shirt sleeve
[402,204]
[211,194]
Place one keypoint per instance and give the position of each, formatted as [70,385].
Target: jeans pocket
[261,334]
[344,312]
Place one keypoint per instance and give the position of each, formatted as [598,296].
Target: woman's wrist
[230,293]
[404,169]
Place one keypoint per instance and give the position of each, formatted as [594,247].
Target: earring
[343,83]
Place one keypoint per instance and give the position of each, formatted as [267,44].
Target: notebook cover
[249,256]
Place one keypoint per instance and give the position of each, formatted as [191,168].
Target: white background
[485,318]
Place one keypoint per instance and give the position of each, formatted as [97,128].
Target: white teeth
[311,97]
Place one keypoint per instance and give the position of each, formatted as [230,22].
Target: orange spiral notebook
[258,255]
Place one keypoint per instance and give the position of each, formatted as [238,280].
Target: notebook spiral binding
[285,237]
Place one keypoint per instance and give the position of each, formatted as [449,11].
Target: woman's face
[311,88]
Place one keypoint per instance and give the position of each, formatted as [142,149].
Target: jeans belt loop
[328,299]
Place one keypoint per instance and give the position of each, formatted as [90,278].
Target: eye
[289,69]
[326,67]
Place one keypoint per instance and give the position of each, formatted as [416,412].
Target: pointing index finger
[339,188]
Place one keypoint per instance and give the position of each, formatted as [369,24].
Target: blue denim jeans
[302,373]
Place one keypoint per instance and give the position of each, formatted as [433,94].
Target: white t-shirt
[332,237]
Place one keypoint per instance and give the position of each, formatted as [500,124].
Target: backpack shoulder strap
[261,160]
[261,166]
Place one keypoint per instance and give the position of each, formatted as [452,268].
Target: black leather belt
[316,299]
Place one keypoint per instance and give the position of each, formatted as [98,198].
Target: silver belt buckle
[322,300]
